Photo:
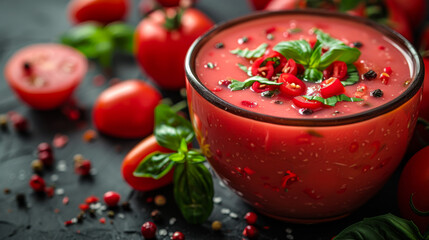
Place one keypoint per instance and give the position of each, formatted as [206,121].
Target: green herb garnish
[246,53]
[331,101]
[353,75]
[247,70]
[193,184]
[237,85]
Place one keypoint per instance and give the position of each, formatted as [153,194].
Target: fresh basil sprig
[313,59]
[238,85]
[384,227]
[331,101]
[98,42]
[193,184]
[255,53]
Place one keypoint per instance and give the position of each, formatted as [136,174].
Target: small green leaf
[341,53]
[331,101]
[195,156]
[298,50]
[177,157]
[352,75]
[155,165]
[123,36]
[384,227]
[325,39]
[193,191]
[245,69]
[237,85]
[183,146]
[313,75]
[316,55]
[246,53]
[171,128]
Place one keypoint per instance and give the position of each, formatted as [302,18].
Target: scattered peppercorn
[80,217]
[156,215]
[89,135]
[148,230]
[251,218]
[46,158]
[82,167]
[306,111]
[377,93]
[44,147]
[19,122]
[91,199]
[37,183]
[210,65]
[219,45]
[6,190]
[21,200]
[92,212]
[160,200]
[370,75]
[37,166]
[178,236]
[243,40]
[102,220]
[3,121]
[126,206]
[357,44]
[111,198]
[216,225]
[278,102]
[49,191]
[111,214]
[250,231]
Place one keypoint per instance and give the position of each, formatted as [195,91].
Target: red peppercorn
[250,231]
[111,198]
[49,191]
[37,183]
[83,167]
[84,207]
[91,199]
[148,230]
[178,236]
[44,147]
[18,121]
[46,158]
[251,218]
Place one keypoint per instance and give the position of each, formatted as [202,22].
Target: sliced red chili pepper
[331,87]
[290,67]
[256,64]
[337,69]
[266,71]
[258,87]
[302,102]
[292,86]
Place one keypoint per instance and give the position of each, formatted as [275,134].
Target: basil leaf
[237,85]
[177,157]
[326,40]
[171,128]
[92,41]
[298,50]
[123,36]
[331,101]
[246,53]
[316,55]
[193,191]
[154,165]
[339,53]
[384,227]
[195,156]
[352,75]
[312,75]
[245,69]
[346,5]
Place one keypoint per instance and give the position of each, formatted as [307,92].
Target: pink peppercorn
[178,236]
[148,230]
[111,198]
[37,183]
[250,231]
[250,218]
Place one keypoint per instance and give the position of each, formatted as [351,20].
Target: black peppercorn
[219,45]
[357,44]
[370,75]
[377,93]
[21,200]
[305,111]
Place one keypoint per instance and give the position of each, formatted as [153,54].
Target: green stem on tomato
[174,22]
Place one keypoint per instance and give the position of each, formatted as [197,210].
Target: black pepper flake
[21,200]
[91,212]
[305,111]
[243,40]
[80,217]
[268,94]
[377,93]
[357,44]
[156,215]
[278,102]
[370,75]
[219,45]
[111,214]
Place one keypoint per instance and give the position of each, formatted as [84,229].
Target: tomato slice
[337,69]
[45,75]
[259,88]
[290,67]
[292,86]
[331,87]
[302,102]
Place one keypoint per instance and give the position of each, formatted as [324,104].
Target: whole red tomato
[126,109]
[133,159]
[415,10]
[102,11]
[161,52]
[415,181]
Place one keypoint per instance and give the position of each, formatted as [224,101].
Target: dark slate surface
[25,22]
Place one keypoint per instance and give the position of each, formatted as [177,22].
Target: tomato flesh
[292,86]
[302,102]
[53,73]
[133,159]
[331,87]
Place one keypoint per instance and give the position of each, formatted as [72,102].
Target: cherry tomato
[331,87]
[302,102]
[45,75]
[126,109]
[414,181]
[258,87]
[161,52]
[337,69]
[259,4]
[292,86]
[102,11]
[133,159]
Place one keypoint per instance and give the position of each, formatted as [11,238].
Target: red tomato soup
[45,75]
[313,138]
